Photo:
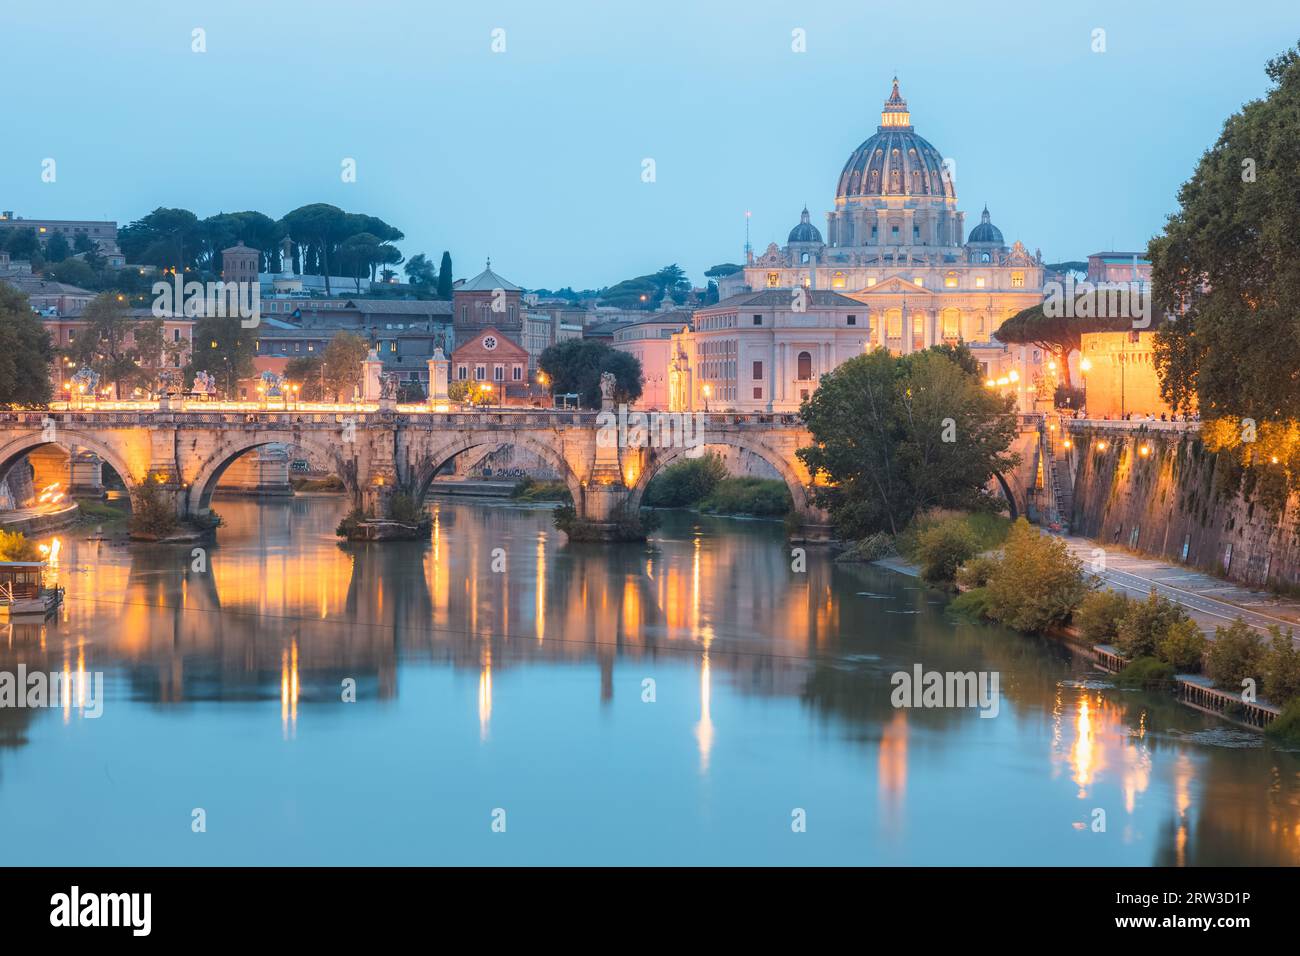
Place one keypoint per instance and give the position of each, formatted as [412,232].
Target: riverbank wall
[1162,493]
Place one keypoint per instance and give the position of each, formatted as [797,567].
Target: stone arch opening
[70,442]
[428,469]
[660,458]
[199,494]
[1006,493]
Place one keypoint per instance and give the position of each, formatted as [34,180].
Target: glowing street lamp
[708,390]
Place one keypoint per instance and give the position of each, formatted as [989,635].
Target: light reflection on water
[525,688]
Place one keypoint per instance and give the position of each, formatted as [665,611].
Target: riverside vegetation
[1011,573]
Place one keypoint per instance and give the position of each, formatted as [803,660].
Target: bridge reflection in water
[771,691]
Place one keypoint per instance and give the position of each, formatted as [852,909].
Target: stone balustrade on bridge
[379,451]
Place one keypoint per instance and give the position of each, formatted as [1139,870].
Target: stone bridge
[377,453]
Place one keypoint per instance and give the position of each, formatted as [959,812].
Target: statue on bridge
[607,384]
[388,386]
[272,384]
[205,385]
[86,381]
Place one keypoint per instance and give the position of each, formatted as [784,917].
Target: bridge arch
[433,462]
[69,440]
[657,459]
[199,495]
[1006,492]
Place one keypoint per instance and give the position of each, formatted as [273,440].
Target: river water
[522,700]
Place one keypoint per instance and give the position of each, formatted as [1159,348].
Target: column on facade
[907,331]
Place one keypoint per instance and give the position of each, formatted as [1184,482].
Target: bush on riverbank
[328,483]
[1281,667]
[350,523]
[1146,673]
[92,509]
[626,527]
[871,548]
[976,572]
[1145,625]
[1183,646]
[973,604]
[14,546]
[989,530]
[1236,653]
[761,497]
[151,513]
[942,548]
[1286,727]
[1099,616]
[530,489]
[1037,584]
[685,483]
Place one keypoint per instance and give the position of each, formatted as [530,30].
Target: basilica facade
[895,269]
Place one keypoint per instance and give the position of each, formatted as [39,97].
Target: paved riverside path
[1210,601]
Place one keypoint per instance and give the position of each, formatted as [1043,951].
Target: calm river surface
[522,690]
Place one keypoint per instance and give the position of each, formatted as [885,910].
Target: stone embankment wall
[1179,502]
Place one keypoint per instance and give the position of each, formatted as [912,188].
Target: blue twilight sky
[534,156]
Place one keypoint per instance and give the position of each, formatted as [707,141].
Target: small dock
[1199,692]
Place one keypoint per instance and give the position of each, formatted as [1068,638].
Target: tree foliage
[1226,265]
[575,365]
[1059,335]
[898,435]
[25,351]
[1037,584]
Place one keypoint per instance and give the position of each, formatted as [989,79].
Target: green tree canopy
[224,348]
[1225,265]
[445,279]
[342,359]
[721,270]
[22,243]
[575,365]
[115,344]
[896,435]
[1059,335]
[25,351]
[167,238]
[57,248]
[306,370]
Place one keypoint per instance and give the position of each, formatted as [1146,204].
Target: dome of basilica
[895,161]
[986,231]
[805,231]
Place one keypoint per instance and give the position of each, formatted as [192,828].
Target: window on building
[462,373]
[853,320]
[803,366]
[517,373]
[951,324]
[498,373]
[894,323]
[773,280]
[758,391]
[871,282]
[758,320]
[1017,280]
[176,335]
[917,280]
[758,372]
[950,281]
[480,373]
[803,394]
[979,282]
